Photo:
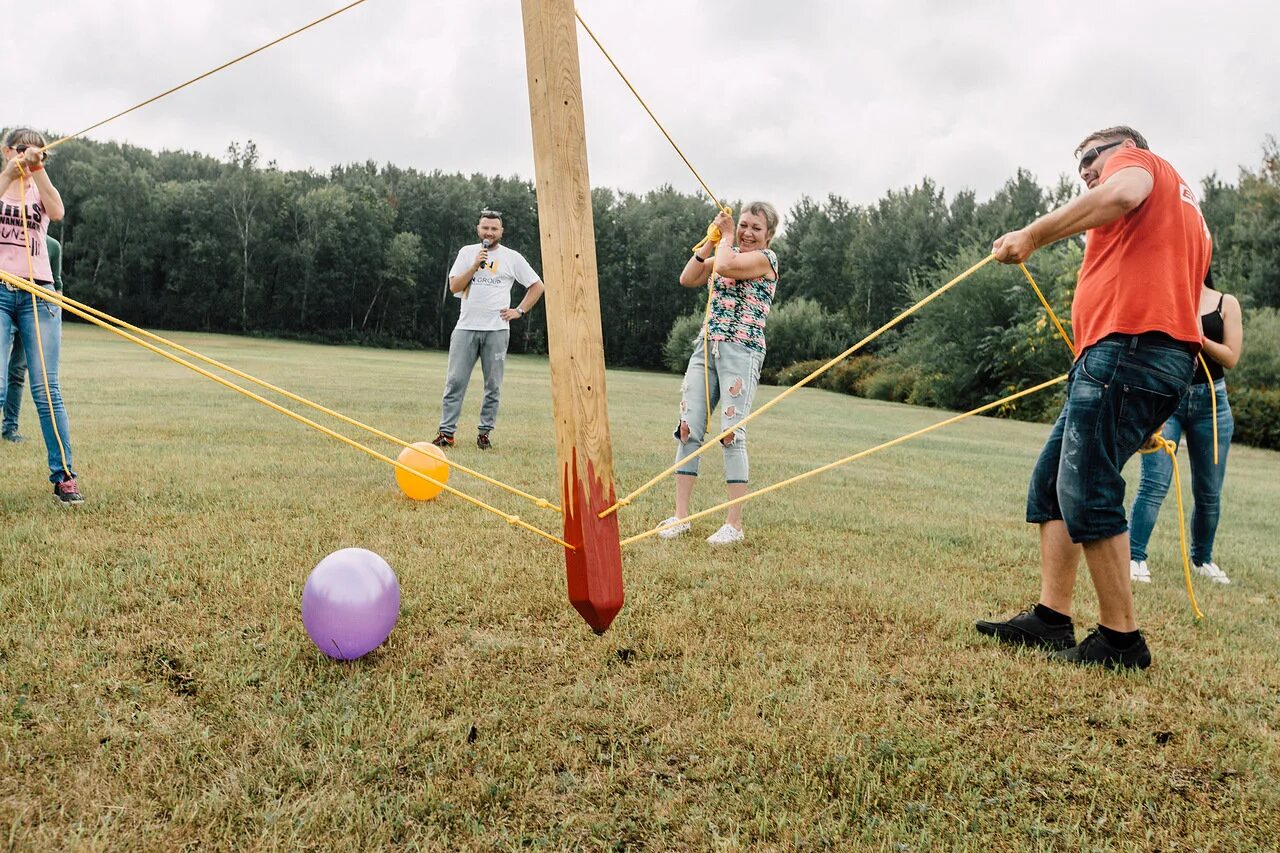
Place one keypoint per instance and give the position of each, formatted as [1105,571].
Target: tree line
[178,240]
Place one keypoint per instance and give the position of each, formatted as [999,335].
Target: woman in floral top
[743,280]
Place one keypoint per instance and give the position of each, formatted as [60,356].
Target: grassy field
[820,687]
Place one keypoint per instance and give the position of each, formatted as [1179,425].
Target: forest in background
[176,240]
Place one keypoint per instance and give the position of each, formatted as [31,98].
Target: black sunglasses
[44,155]
[1087,158]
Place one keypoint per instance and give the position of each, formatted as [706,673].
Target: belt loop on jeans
[1133,344]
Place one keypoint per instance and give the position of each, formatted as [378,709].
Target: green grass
[820,687]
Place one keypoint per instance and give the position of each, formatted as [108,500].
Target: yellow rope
[1213,403]
[846,460]
[706,352]
[35,313]
[707,189]
[224,65]
[1045,303]
[834,361]
[540,502]
[66,306]
[1160,443]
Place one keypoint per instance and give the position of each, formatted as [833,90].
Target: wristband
[699,258]
[39,167]
[521,310]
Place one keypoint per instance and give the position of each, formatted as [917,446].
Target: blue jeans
[18,318]
[1194,418]
[1119,392]
[734,375]
[13,387]
[465,348]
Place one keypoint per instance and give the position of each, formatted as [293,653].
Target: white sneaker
[673,531]
[1138,571]
[1212,572]
[726,535]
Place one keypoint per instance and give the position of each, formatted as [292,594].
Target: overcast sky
[770,100]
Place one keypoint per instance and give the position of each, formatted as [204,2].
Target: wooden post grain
[574,338]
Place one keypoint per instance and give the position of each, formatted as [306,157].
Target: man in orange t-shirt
[1137,335]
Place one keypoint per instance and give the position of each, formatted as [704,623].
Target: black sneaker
[67,494]
[1028,629]
[1094,650]
[14,436]
[443,440]
[483,442]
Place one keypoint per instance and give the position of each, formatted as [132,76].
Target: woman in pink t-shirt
[28,203]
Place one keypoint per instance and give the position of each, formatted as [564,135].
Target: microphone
[484,244]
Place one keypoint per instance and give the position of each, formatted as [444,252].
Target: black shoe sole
[1118,665]
[1012,636]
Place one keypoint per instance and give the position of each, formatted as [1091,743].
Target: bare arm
[458,283]
[532,294]
[742,265]
[49,195]
[696,271]
[1105,203]
[1227,353]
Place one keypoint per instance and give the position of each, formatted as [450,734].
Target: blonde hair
[24,136]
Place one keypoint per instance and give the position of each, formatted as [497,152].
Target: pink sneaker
[67,494]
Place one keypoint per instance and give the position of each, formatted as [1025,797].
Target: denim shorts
[1119,391]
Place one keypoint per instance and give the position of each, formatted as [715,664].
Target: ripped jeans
[734,375]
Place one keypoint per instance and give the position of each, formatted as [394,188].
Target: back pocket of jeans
[1147,400]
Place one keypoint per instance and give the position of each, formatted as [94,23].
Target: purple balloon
[350,603]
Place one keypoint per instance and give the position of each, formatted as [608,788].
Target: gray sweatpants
[465,347]
[734,375]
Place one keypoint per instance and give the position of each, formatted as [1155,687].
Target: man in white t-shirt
[482,276]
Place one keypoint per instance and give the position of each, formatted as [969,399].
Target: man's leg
[463,352]
[1048,624]
[1134,387]
[493,361]
[1059,560]
[17,373]
[1108,562]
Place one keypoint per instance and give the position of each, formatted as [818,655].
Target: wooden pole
[574,338]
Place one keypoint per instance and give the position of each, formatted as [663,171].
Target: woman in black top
[1222,336]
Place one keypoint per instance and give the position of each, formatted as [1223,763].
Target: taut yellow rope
[210,73]
[1048,308]
[66,306]
[834,361]
[540,502]
[714,198]
[846,460]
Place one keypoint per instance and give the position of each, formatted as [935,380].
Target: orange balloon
[424,457]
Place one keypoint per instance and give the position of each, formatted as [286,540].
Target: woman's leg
[1157,473]
[691,428]
[739,374]
[1206,476]
[41,328]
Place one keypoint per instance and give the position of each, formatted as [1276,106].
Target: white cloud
[770,100]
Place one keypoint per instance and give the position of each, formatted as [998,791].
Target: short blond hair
[1111,134]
